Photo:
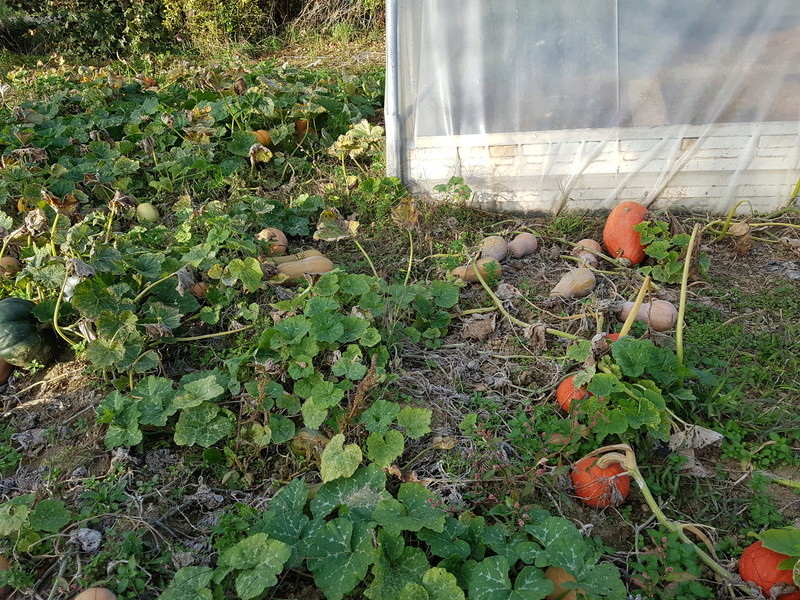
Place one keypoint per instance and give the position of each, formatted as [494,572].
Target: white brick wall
[704,168]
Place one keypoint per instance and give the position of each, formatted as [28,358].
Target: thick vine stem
[625,453]
[626,327]
[687,265]
[410,256]
[149,287]
[207,336]
[499,304]
[727,222]
[57,310]
[790,483]
[369,260]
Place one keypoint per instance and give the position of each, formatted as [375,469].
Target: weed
[666,568]
[10,457]
[761,511]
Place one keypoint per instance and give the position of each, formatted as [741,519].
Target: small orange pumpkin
[302,128]
[760,565]
[566,392]
[263,137]
[619,236]
[600,483]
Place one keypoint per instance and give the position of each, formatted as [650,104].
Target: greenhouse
[553,106]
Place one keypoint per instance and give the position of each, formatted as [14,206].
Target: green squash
[23,339]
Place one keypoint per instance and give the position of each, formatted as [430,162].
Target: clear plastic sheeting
[544,106]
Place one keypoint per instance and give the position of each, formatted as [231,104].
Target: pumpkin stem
[626,327]
[606,460]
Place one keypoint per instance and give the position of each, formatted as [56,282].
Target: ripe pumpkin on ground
[759,565]
[557,576]
[599,484]
[619,236]
[22,338]
[566,392]
[6,369]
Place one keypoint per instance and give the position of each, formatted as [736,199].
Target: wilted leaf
[240,86]
[121,202]
[478,327]
[694,436]
[79,268]
[332,227]
[739,229]
[406,214]
[259,153]
[185,280]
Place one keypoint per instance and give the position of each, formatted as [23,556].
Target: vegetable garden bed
[217,424]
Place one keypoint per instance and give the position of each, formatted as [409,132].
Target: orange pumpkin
[6,370]
[619,237]
[760,566]
[600,485]
[558,576]
[263,137]
[302,128]
[566,392]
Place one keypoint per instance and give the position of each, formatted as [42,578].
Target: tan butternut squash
[314,265]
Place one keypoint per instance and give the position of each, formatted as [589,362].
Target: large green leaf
[411,511]
[49,515]
[257,561]
[359,493]
[415,421]
[390,577]
[340,553]
[784,541]
[189,583]
[378,417]
[489,580]
[385,449]
[437,584]
[196,392]
[203,425]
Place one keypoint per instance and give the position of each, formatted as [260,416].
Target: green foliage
[784,541]
[455,189]
[105,26]
[26,522]
[211,26]
[633,388]
[153,402]
[666,251]
[401,547]
[10,457]
[97,140]
[256,562]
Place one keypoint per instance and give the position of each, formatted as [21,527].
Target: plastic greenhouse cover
[545,105]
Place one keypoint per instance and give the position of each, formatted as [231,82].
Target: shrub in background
[102,27]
